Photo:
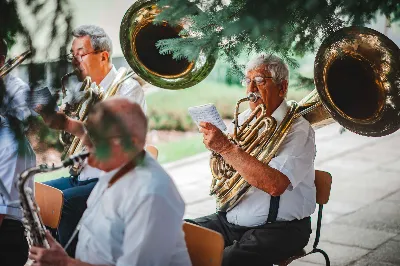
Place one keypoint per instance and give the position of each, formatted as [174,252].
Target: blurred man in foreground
[134,214]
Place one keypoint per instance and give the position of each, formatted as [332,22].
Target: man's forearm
[75,127]
[255,172]
[61,121]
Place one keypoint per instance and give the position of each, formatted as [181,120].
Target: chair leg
[327,261]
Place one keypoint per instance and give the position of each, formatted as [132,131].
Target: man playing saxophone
[16,154]
[90,57]
[134,214]
[272,221]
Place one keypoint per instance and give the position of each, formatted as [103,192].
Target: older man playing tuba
[272,221]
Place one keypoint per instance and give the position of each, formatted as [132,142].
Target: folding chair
[50,201]
[152,150]
[205,246]
[323,181]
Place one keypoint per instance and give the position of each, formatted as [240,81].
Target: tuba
[357,80]
[138,37]
[32,221]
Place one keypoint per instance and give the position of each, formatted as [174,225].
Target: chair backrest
[152,150]
[323,181]
[50,201]
[205,246]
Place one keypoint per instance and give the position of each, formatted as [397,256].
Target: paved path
[361,222]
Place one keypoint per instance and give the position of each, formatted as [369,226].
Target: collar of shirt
[108,79]
[280,112]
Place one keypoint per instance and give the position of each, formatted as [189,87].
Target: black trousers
[13,244]
[261,245]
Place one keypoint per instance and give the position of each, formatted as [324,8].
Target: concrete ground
[361,222]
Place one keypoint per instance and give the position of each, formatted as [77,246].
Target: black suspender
[273,209]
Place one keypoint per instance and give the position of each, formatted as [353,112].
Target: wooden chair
[50,201]
[205,246]
[323,181]
[152,150]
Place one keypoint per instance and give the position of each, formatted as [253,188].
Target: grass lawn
[52,175]
[176,150]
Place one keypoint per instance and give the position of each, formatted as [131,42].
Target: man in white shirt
[90,56]
[272,221]
[16,155]
[134,214]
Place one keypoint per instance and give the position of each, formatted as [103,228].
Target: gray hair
[98,37]
[275,65]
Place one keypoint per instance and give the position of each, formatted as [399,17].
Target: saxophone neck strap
[126,168]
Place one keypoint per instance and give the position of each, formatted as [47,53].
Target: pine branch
[288,28]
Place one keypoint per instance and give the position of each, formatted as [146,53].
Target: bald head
[119,116]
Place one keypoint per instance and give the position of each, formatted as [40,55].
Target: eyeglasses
[258,80]
[78,57]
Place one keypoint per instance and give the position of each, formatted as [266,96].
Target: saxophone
[32,221]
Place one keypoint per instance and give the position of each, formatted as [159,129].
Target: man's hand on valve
[214,139]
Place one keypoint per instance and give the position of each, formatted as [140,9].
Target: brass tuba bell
[357,78]
[138,37]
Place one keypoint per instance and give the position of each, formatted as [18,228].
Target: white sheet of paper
[207,113]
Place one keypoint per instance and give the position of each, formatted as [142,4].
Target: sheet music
[39,96]
[207,113]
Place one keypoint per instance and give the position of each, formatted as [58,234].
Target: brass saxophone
[32,221]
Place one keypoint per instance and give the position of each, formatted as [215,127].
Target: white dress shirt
[295,159]
[14,158]
[137,221]
[129,88]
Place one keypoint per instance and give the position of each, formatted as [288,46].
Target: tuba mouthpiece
[253,96]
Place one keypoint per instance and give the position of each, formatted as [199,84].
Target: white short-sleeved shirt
[14,158]
[137,221]
[295,159]
[129,88]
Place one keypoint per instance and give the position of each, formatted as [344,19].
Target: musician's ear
[105,56]
[284,88]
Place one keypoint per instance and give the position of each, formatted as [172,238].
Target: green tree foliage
[287,28]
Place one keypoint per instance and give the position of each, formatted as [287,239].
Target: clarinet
[32,221]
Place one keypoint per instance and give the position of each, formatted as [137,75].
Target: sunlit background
[170,127]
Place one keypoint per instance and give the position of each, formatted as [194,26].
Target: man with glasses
[134,215]
[90,57]
[272,221]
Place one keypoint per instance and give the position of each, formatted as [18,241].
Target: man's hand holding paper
[207,113]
